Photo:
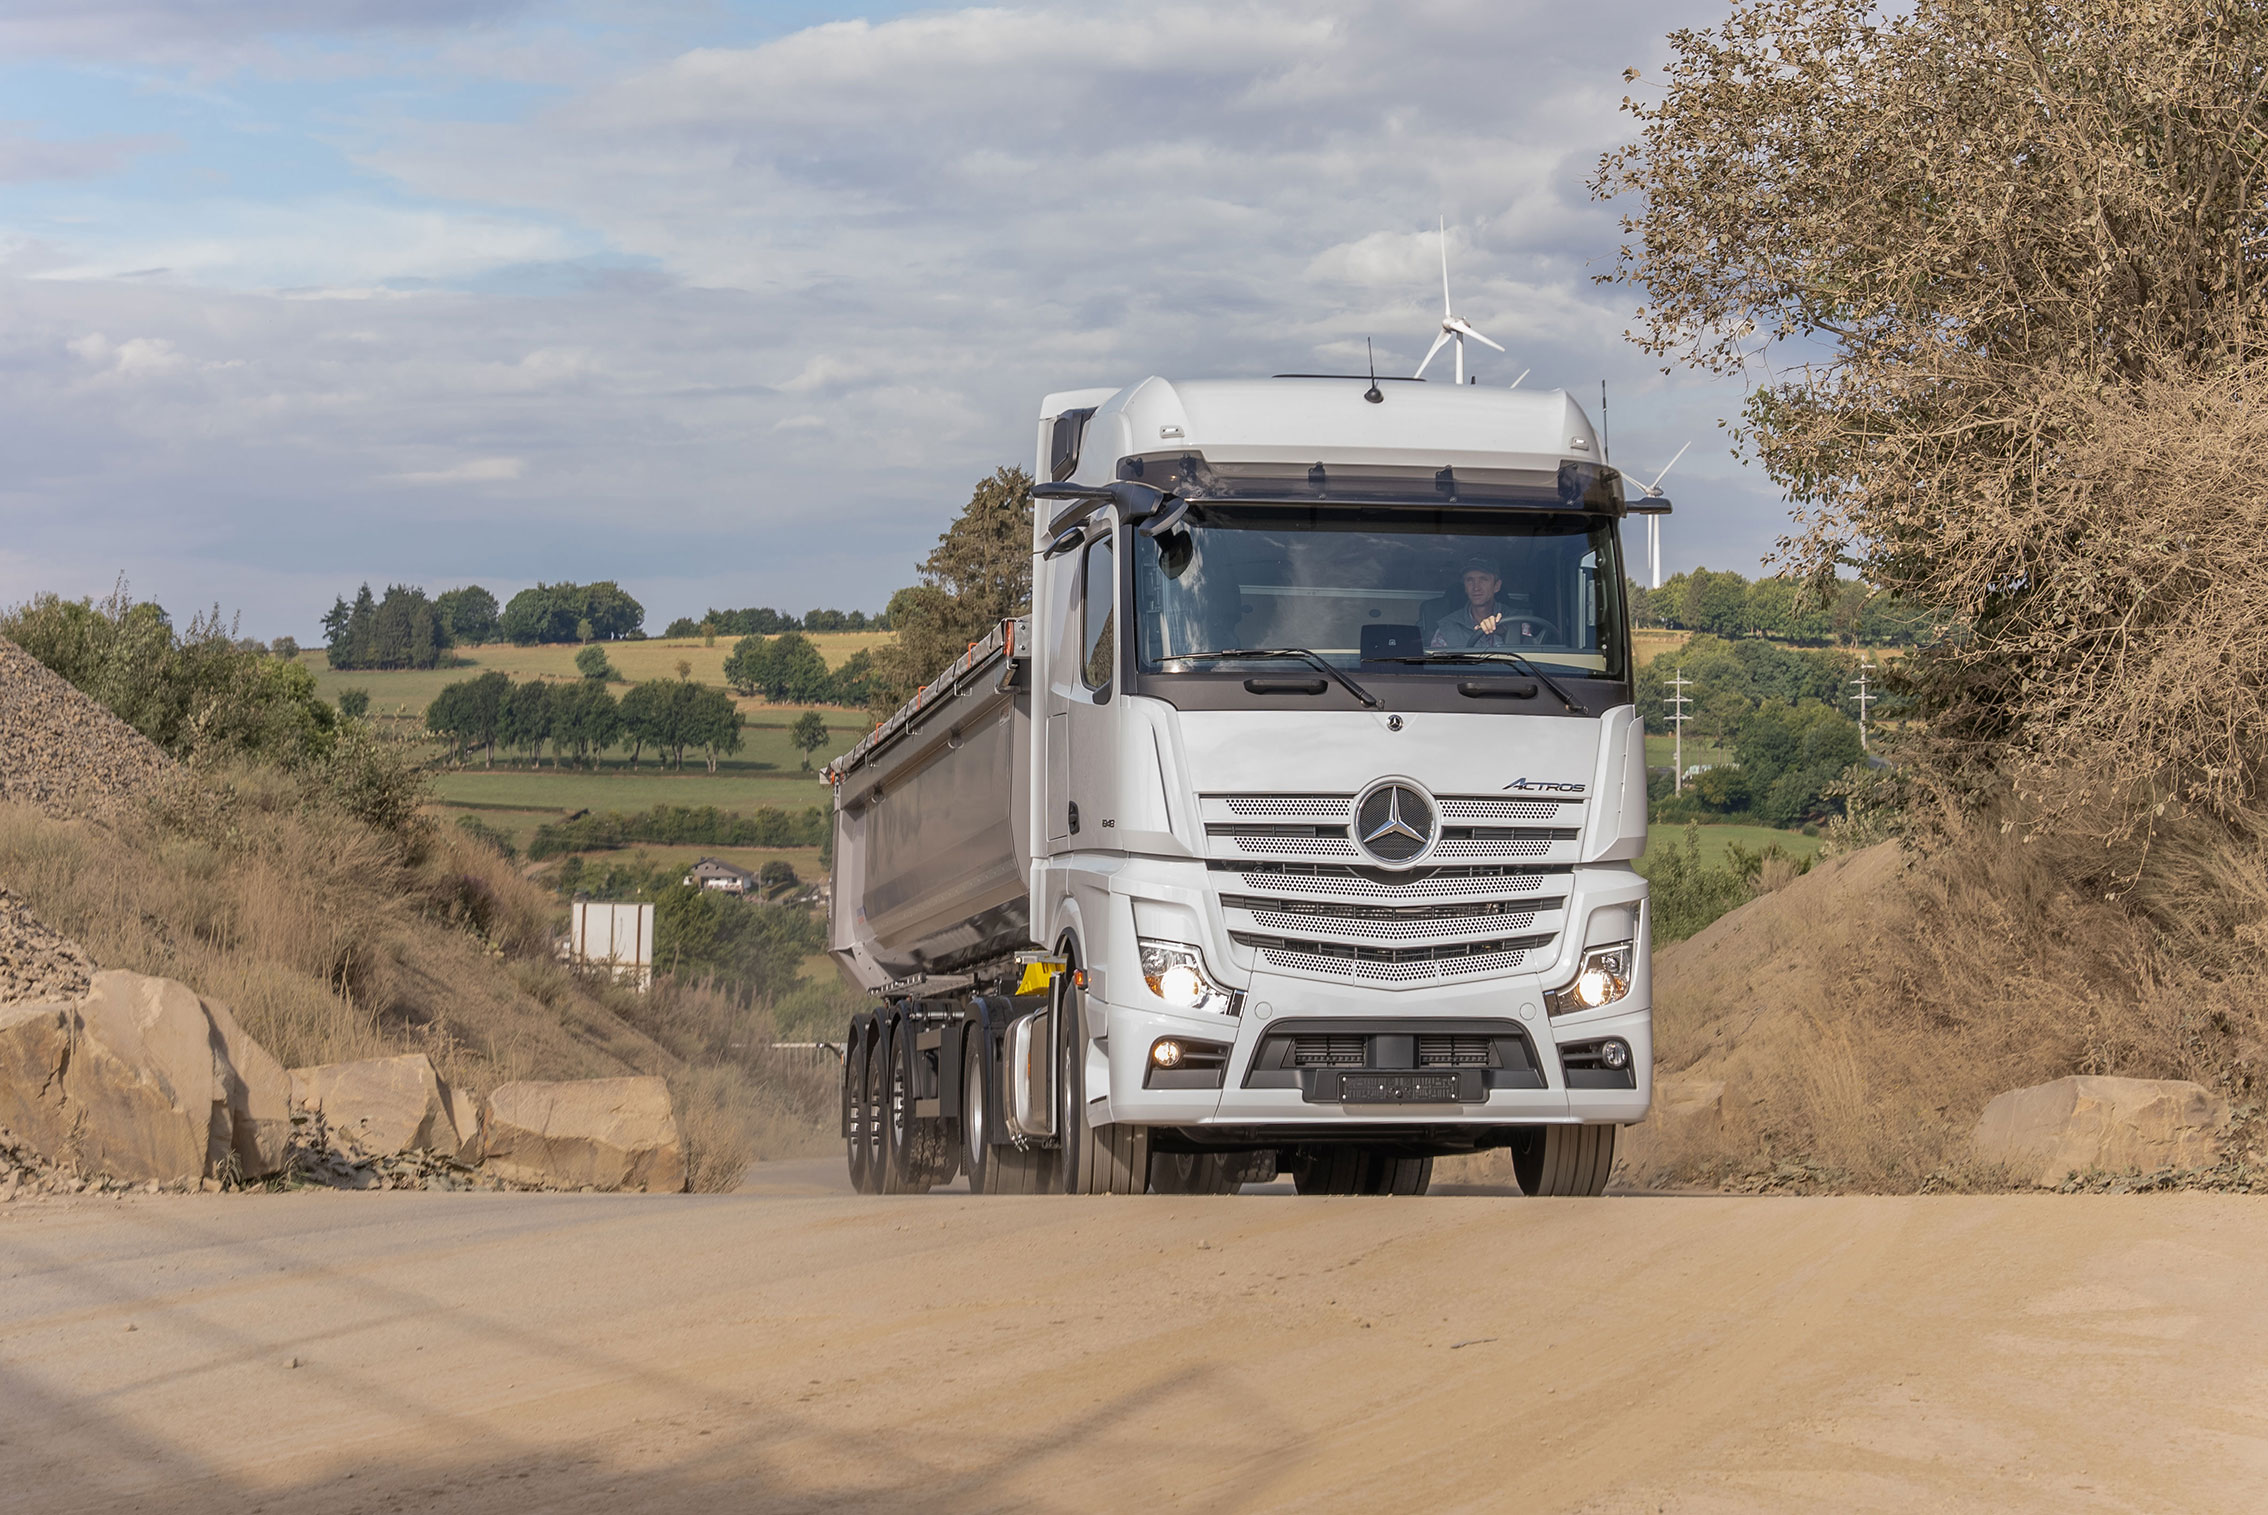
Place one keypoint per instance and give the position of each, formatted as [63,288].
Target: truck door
[1082,730]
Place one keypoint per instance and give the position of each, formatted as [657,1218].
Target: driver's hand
[1489,625]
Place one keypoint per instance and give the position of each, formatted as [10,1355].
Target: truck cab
[1325,781]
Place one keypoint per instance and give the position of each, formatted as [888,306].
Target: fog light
[1166,1054]
[1615,1055]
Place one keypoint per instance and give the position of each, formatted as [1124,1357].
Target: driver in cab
[1482,621]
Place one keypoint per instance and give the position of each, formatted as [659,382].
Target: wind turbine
[1654,516]
[1452,324]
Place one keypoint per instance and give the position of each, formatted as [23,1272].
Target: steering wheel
[1540,632]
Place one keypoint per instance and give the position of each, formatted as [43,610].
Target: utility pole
[1865,697]
[1677,703]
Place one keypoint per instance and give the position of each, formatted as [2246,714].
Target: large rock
[35,1047]
[142,1080]
[256,1092]
[384,1105]
[599,1133]
[464,1118]
[2118,1125]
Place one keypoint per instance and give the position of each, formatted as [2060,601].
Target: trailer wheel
[906,1140]
[1571,1161]
[858,1069]
[857,1122]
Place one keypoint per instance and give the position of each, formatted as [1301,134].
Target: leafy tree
[854,681]
[526,721]
[2021,247]
[591,663]
[286,648]
[794,672]
[646,717]
[745,666]
[403,630]
[809,733]
[585,720]
[683,626]
[354,703]
[194,693]
[468,615]
[712,722]
[979,574]
[471,713]
[555,613]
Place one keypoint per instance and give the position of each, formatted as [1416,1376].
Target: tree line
[789,669]
[581,720]
[763,621]
[1729,605]
[681,826]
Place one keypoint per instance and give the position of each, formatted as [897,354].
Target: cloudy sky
[732,301]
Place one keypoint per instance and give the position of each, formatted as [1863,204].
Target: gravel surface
[37,962]
[61,751]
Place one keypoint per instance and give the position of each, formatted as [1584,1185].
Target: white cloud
[471,471]
[755,318]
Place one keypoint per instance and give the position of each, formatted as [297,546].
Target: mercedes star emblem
[1394,823]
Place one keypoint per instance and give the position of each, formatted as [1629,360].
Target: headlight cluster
[1176,974]
[1603,979]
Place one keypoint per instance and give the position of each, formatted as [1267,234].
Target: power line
[1677,703]
[1865,697]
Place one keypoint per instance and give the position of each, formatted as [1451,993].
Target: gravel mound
[62,752]
[37,962]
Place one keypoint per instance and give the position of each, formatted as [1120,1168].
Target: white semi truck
[1292,830]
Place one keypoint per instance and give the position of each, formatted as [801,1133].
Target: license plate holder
[1394,1086]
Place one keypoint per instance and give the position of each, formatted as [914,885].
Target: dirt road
[788,1351]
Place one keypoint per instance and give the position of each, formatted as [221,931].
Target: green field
[403,694]
[1717,841]
[1661,752]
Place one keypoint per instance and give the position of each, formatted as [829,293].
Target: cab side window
[1097,602]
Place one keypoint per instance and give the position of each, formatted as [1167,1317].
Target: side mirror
[1650,505]
[1066,541]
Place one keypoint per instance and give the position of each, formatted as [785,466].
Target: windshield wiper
[1489,655]
[1302,653]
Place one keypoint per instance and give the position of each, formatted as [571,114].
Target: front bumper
[1120,1060]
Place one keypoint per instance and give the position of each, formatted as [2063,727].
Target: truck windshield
[1383,590]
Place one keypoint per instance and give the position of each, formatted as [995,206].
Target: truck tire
[856,1120]
[902,1153]
[1197,1172]
[1328,1170]
[1405,1175]
[1113,1159]
[991,1169]
[1564,1161]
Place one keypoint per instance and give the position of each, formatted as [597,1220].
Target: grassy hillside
[407,692]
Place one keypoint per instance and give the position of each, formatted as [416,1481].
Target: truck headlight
[1603,979]
[1176,974]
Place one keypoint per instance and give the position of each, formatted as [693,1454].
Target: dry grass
[331,943]
[1862,1015]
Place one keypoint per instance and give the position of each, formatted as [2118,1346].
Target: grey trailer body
[1292,828]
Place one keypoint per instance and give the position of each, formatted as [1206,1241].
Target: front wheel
[1112,1159]
[1563,1161]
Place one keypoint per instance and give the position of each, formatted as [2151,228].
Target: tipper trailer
[1292,830]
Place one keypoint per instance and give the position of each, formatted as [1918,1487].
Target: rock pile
[38,962]
[61,751]
[596,1133]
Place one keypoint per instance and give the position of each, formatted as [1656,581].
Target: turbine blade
[1459,325]
[1445,265]
[1656,486]
[1515,384]
[1429,354]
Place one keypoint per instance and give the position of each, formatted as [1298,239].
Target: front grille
[1388,923]
[1328,1051]
[1393,964]
[1502,810]
[1291,806]
[1480,881]
[1453,1052]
